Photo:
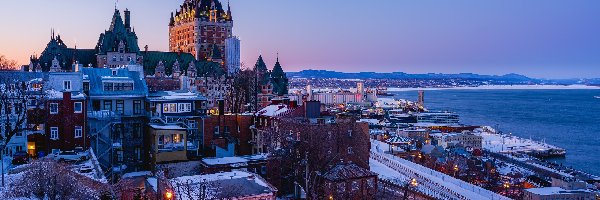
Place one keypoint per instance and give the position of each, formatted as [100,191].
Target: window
[107,105]
[192,124]
[19,148]
[350,133]
[86,86]
[78,131]
[108,86]
[226,129]
[216,130]
[170,108]
[137,130]
[120,104]
[137,107]
[67,85]
[350,150]
[355,185]
[138,153]
[120,156]
[114,72]
[184,107]
[54,133]
[78,107]
[53,108]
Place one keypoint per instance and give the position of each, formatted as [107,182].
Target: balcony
[104,115]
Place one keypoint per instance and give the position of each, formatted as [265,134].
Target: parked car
[68,156]
[20,157]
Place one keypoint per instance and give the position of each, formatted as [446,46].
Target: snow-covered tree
[48,179]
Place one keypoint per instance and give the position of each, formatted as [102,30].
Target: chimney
[221,106]
[67,96]
[127,19]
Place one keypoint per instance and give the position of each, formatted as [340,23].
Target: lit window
[54,133]
[78,131]
[54,108]
[78,107]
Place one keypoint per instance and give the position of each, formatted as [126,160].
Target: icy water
[566,118]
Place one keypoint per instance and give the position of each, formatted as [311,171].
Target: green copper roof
[151,59]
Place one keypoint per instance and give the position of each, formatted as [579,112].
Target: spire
[172,20]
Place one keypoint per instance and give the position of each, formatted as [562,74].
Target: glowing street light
[413,182]
[169,195]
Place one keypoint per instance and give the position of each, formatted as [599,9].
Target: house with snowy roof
[180,108]
[117,116]
[65,115]
[225,185]
[19,92]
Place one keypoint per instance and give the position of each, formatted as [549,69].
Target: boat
[597,97]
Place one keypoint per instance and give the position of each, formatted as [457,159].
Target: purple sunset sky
[538,38]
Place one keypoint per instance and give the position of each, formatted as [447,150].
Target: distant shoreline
[505,87]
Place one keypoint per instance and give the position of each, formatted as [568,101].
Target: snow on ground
[550,169]
[385,172]
[507,168]
[503,87]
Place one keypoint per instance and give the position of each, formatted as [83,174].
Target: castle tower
[198,25]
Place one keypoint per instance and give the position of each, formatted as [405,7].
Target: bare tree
[15,100]
[239,94]
[7,64]
[46,178]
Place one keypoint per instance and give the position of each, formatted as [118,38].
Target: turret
[229,17]
[172,20]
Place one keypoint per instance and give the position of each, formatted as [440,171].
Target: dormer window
[67,85]
[114,72]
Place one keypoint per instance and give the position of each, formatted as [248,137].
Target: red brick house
[226,135]
[66,121]
[324,143]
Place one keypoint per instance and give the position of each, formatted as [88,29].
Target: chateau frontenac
[198,27]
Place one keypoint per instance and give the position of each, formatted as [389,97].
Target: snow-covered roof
[136,174]
[221,185]
[57,95]
[273,110]
[233,160]
[398,139]
[166,127]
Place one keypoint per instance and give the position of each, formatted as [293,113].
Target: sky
[537,38]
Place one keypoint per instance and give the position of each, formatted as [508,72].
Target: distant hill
[401,75]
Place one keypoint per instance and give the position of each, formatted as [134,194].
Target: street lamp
[168,195]
[455,169]
[506,185]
